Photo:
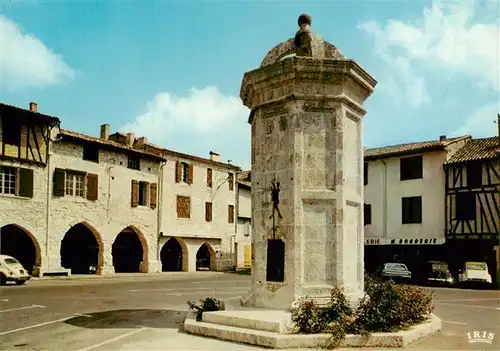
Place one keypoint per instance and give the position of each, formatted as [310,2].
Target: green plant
[390,307]
[208,304]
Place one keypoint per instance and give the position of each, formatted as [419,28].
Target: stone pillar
[306,117]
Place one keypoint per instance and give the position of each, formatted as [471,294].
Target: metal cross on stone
[275,197]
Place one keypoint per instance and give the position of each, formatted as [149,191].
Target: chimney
[442,137]
[105,131]
[33,107]
[214,156]
[142,141]
[130,139]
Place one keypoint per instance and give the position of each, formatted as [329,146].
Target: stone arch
[287,48]
[174,255]
[25,248]
[130,251]
[206,258]
[82,248]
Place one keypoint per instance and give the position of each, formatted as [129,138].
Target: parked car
[396,271]
[474,272]
[438,273]
[12,270]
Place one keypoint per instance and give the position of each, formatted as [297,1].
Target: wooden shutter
[134,194]
[190,174]
[59,182]
[209,177]
[178,172]
[231,181]
[230,214]
[25,182]
[208,211]
[152,195]
[92,186]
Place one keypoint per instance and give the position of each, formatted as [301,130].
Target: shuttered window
[92,187]
[134,194]
[183,172]
[67,182]
[208,211]
[230,214]
[183,207]
[230,179]
[153,195]
[16,181]
[209,177]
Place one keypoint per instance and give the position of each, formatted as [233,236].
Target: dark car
[396,271]
[438,273]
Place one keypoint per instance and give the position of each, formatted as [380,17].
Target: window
[75,184]
[230,179]
[208,211]
[230,214]
[474,175]
[183,172]
[365,173]
[8,180]
[183,207]
[209,177]
[134,162]
[367,214]
[11,131]
[411,167]
[411,209]
[143,193]
[465,206]
[91,153]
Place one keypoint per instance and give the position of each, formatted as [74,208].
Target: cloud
[203,120]
[26,62]
[447,38]
[481,123]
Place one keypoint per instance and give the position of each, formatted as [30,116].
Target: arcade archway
[129,251]
[173,256]
[81,250]
[19,243]
[205,258]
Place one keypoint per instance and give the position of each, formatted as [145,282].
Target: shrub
[386,307]
[390,307]
[205,305]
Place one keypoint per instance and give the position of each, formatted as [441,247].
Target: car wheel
[20,282]
[3,280]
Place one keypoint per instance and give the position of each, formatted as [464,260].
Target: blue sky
[171,70]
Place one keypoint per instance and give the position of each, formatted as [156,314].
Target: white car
[474,272]
[396,271]
[11,270]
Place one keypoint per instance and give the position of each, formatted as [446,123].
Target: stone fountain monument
[307,185]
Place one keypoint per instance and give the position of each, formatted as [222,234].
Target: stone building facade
[404,213]
[243,247]
[113,203]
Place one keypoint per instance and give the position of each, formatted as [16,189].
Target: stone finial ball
[304,19]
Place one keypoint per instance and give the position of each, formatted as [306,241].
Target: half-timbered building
[472,204]
[25,137]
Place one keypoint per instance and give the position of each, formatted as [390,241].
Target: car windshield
[397,266]
[440,267]
[10,261]
[476,266]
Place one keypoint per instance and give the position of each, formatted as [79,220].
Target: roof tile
[477,149]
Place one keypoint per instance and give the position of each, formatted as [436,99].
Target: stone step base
[277,340]
[252,336]
[257,319]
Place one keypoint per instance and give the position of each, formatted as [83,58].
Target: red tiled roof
[477,149]
[409,148]
[109,143]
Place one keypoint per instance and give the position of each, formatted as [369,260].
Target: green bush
[386,307]
[209,304]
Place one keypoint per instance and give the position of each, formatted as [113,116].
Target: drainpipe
[384,205]
[159,198]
